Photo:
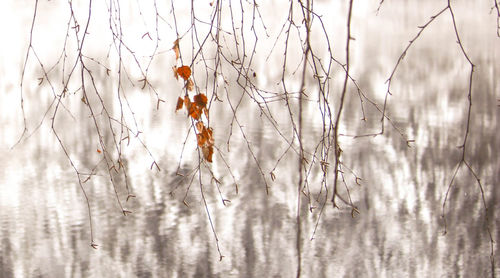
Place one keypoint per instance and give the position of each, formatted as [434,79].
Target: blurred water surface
[43,215]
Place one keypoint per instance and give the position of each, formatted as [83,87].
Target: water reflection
[44,230]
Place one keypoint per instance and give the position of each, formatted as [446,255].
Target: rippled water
[44,228]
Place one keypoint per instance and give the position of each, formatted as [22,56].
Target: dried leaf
[200,126]
[205,111]
[184,72]
[201,139]
[204,132]
[208,151]
[200,100]
[180,102]
[176,49]
[187,102]
[190,84]
[209,136]
[204,135]
[176,75]
[194,111]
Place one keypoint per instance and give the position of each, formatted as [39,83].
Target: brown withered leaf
[209,136]
[180,102]
[205,111]
[205,134]
[184,72]
[201,137]
[201,140]
[189,84]
[208,151]
[176,49]
[200,126]
[194,111]
[176,75]
[187,102]
[200,100]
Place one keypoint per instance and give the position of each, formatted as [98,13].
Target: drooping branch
[496,6]
[400,59]
[336,146]
[463,159]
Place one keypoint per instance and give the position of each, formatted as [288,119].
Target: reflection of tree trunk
[495,197]
[5,261]
[495,193]
[249,247]
[203,265]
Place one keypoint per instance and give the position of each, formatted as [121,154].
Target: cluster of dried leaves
[195,109]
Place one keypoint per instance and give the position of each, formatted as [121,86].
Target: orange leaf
[180,101]
[200,100]
[194,111]
[187,102]
[200,126]
[184,72]
[204,133]
[210,138]
[201,140]
[99,151]
[176,49]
